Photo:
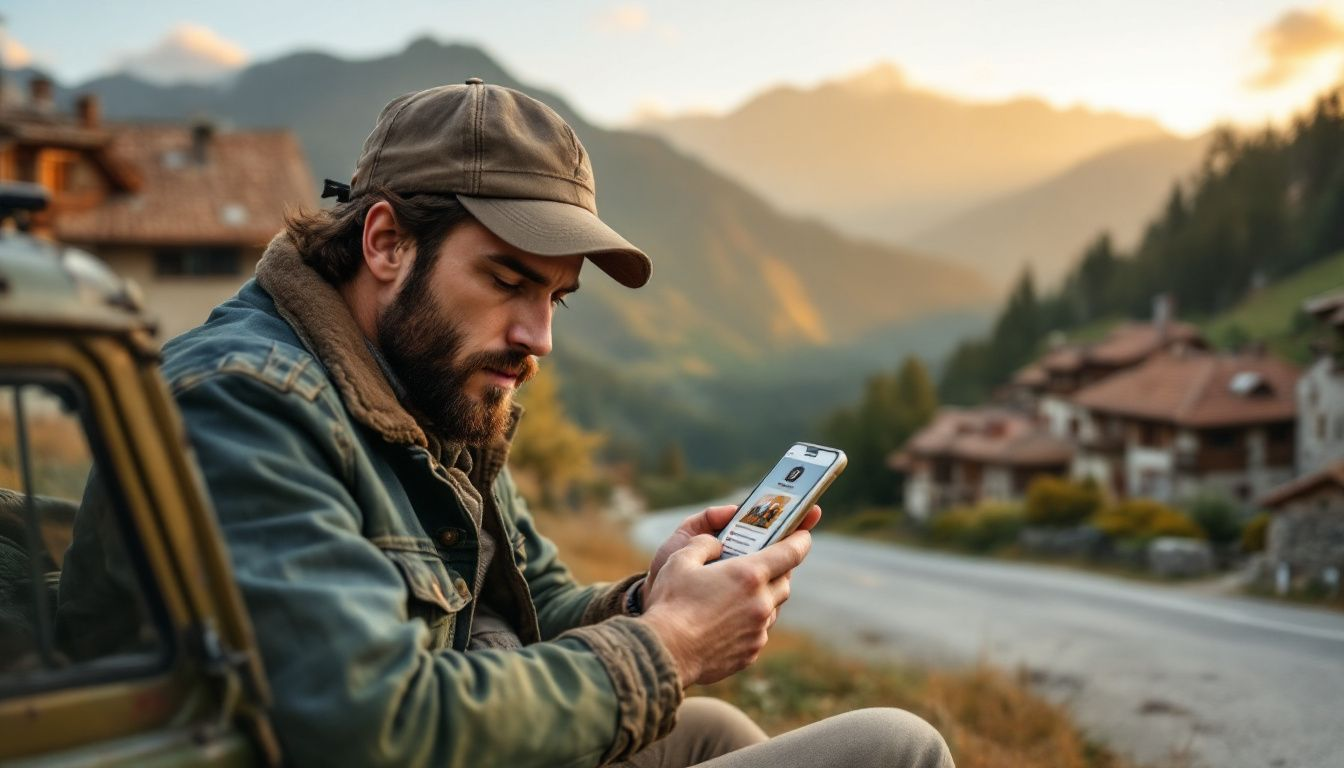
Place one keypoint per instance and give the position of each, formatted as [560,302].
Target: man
[351,409]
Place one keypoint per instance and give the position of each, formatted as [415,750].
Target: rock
[1177,558]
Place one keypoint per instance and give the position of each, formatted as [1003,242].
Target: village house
[1306,532]
[1320,392]
[185,210]
[1046,387]
[967,456]
[1188,421]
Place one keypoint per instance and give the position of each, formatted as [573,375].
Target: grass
[1269,314]
[990,718]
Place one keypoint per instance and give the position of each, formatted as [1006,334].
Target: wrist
[667,629]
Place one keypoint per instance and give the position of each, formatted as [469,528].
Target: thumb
[700,550]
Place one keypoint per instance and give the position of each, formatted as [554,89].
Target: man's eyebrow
[532,275]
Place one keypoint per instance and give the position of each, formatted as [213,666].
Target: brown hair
[331,240]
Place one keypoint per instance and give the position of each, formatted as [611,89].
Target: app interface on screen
[773,501]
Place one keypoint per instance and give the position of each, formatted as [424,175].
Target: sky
[1190,64]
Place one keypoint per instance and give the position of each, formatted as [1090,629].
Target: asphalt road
[1150,670]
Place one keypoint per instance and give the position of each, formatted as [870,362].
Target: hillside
[1048,224]
[1273,316]
[884,159]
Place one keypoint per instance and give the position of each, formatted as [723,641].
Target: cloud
[623,19]
[13,54]
[188,53]
[1295,40]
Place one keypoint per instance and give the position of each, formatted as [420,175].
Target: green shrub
[1060,502]
[1217,515]
[983,528]
[1144,519]
[1254,534]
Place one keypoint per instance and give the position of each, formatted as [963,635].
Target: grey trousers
[715,734]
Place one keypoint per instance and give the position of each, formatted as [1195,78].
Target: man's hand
[710,521]
[714,617]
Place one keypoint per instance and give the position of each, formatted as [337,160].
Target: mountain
[1049,224]
[884,159]
[736,283]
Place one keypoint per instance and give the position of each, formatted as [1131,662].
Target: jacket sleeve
[353,676]
[561,602]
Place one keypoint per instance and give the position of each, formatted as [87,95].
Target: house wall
[1320,416]
[1059,414]
[1307,533]
[919,492]
[178,303]
[1149,472]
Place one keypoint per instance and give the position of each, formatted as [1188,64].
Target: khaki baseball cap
[511,161]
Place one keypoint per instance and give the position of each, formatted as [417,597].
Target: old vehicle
[85,419]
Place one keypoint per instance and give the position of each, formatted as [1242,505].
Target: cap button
[474,81]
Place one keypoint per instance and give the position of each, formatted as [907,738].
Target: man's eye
[506,286]
[560,300]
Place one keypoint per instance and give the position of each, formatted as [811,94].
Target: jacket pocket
[435,593]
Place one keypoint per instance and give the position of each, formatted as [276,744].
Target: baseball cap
[512,161]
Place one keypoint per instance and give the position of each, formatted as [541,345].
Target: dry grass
[991,719]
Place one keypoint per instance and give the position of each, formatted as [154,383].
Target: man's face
[463,335]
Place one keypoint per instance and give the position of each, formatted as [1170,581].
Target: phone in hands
[777,504]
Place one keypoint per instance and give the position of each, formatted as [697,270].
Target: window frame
[117,667]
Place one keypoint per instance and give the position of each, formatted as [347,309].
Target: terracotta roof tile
[989,435]
[237,196]
[1196,389]
[1132,342]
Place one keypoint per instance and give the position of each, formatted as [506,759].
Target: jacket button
[449,537]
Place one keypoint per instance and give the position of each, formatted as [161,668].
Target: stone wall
[1308,534]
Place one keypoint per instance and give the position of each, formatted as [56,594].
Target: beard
[422,344]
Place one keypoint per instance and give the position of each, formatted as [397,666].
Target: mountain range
[737,284]
[995,186]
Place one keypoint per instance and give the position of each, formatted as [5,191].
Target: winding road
[1151,670]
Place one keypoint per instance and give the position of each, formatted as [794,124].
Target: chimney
[89,111]
[42,94]
[1162,315]
[202,133]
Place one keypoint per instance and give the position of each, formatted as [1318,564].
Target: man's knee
[720,726]
[898,737]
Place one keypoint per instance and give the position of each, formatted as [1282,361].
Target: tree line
[1262,205]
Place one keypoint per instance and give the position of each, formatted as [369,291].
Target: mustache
[521,364]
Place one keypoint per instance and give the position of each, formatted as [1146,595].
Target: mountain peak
[883,77]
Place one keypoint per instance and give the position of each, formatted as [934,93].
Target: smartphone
[776,506]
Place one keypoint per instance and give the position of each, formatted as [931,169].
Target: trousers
[714,734]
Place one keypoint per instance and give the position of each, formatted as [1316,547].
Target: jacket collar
[318,314]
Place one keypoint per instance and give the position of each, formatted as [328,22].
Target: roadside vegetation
[990,718]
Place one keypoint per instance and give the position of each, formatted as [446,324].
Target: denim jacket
[361,546]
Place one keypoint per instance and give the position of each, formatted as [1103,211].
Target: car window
[72,601]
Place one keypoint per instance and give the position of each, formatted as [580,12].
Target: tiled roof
[1332,474]
[990,435]
[1199,389]
[1032,375]
[237,196]
[1132,342]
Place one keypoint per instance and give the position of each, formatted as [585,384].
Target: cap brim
[550,228]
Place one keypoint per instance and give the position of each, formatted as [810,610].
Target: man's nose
[531,331]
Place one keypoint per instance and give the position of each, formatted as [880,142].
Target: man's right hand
[713,616]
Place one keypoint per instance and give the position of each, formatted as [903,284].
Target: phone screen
[773,503]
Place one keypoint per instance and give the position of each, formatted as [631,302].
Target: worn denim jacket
[356,542]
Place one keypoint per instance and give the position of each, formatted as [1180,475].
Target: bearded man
[351,409]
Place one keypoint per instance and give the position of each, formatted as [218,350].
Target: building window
[197,262]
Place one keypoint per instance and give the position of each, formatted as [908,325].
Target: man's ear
[387,251]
